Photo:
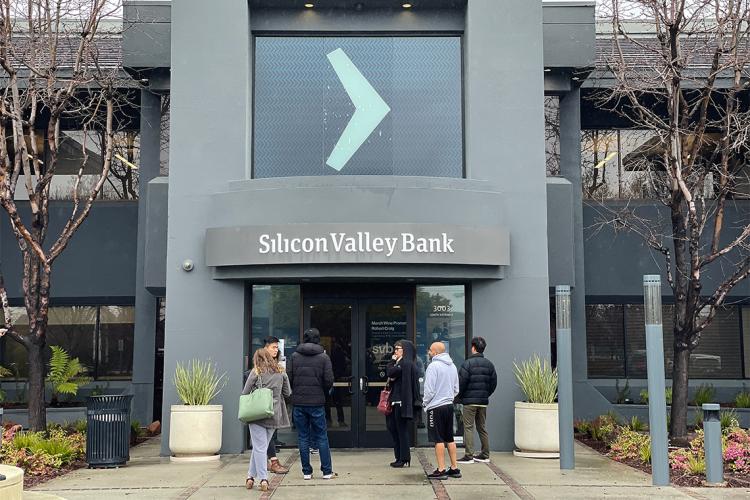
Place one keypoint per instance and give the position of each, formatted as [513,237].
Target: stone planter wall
[641,411]
[54,415]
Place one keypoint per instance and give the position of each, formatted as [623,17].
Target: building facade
[372,170]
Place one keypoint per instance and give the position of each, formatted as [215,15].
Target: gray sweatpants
[260,437]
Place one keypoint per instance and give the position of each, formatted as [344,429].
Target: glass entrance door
[358,334]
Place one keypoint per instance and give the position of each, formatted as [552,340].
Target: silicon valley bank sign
[399,243]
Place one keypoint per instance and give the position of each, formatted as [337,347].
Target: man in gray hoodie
[440,389]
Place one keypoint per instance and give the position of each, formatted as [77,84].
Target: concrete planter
[536,430]
[195,432]
[54,415]
[641,411]
[12,487]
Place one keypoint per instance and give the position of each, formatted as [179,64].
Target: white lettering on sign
[360,242]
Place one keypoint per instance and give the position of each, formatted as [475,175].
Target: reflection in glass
[441,317]
[384,325]
[116,327]
[334,321]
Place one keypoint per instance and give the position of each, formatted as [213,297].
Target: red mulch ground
[676,478]
[31,481]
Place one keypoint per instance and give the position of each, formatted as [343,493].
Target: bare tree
[687,82]
[56,70]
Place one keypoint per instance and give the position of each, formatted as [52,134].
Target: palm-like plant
[198,383]
[537,379]
[65,375]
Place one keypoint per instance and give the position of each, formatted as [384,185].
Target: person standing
[266,374]
[440,389]
[477,380]
[311,376]
[271,344]
[403,377]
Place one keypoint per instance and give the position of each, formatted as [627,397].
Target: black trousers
[399,429]
[272,446]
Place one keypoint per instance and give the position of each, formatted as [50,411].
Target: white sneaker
[332,475]
[307,477]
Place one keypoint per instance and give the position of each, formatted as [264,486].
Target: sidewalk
[364,474]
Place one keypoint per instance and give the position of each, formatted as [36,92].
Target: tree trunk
[678,431]
[37,411]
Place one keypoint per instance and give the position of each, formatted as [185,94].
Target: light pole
[564,377]
[657,405]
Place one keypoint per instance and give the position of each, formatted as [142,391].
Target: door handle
[364,384]
[361,383]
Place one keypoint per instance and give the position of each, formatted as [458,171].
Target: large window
[441,317]
[276,312]
[616,342]
[100,337]
[358,106]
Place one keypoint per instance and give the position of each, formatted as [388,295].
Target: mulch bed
[31,481]
[675,477]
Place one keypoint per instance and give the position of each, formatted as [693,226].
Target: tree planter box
[54,415]
[641,411]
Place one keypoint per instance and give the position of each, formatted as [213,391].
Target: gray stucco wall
[503,110]
[617,261]
[206,318]
[99,262]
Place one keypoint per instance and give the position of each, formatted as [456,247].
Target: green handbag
[257,405]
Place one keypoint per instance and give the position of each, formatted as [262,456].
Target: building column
[587,401]
[145,303]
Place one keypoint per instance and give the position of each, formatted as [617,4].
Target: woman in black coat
[404,381]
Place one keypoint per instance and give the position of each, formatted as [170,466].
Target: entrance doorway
[358,330]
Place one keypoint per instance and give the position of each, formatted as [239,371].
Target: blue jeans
[311,430]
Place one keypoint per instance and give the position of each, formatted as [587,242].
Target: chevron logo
[370,109]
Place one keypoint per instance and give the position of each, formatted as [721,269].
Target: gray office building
[375,170]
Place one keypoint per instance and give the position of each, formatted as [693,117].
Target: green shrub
[623,394]
[537,379]
[629,444]
[643,397]
[582,426]
[636,424]
[704,394]
[742,400]
[64,449]
[668,395]
[603,428]
[729,420]
[136,429]
[698,418]
[696,464]
[644,451]
[198,384]
[65,375]
[26,440]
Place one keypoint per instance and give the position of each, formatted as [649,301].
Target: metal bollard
[712,440]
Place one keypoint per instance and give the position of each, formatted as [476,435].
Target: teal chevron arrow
[370,109]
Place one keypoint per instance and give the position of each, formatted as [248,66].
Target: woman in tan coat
[266,373]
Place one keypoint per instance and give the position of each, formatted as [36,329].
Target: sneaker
[332,475]
[482,458]
[466,459]
[438,474]
[307,477]
[454,473]
[313,451]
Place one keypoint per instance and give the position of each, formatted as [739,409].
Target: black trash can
[108,430]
